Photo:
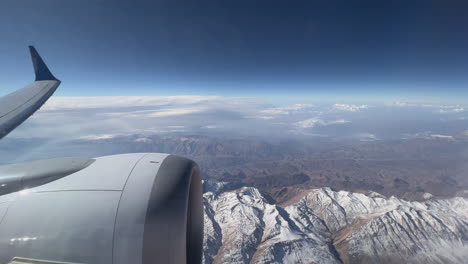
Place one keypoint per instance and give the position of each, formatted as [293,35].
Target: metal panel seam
[118,204]
[6,212]
[80,190]
[34,96]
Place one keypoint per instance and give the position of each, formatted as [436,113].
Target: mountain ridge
[326,226]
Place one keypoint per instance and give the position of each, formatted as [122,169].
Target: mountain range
[405,168]
[289,201]
[326,226]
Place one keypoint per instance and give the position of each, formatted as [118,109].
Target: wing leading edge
[17,106]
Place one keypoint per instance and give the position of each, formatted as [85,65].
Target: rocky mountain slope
[326,226]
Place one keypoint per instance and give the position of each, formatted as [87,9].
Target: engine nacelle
[131,208]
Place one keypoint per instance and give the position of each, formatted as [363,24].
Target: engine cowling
[131,208]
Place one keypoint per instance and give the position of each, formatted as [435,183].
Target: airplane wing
[136,208]
[16,107]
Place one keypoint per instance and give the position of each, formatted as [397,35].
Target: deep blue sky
[241,48]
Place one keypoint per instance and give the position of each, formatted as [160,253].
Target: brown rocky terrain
[407,168]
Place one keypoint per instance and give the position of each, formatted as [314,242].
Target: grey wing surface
[17,106]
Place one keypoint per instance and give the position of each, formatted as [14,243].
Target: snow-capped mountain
[326,226]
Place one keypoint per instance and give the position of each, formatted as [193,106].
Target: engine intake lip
[174,217]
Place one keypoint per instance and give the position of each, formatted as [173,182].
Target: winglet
[40,68]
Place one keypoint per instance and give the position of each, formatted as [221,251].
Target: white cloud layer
[107,117]
[442,136]
[75,103]
[158,113]
[429,135]
[313,122]
[285,110]
[442,108]
[451,110]
[367,137]
[97,137]
[349,107]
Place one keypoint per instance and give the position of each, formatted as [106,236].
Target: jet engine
[131,208]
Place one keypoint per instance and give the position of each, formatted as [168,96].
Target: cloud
[452,110]
[313,122]
[97,117]
[157,113]
[441,136]
[143,140]
[210,127]
[397,103]
[309,123]
[367,137]
[106,117]
[443,108]
[97,137]
[427,135]
[93,102]
[286,110]
[263,117]
[282,112]
[413,104]
[339,121]
[349,107]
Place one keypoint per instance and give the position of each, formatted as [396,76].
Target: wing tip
[40,68]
